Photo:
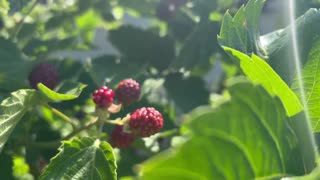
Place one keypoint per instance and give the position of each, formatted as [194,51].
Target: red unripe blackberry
[44,73]
[145,122]
[121,139]
[128,91]
[103,96]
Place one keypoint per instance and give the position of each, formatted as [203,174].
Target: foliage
[230,96]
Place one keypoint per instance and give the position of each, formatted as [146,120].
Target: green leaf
[311,84]
[67,91]
[278,44]
[198,47]
[13,69]
[107,69]
[17,5]
[258,71]
[6,165]
[83,158]
[307,26]
[241,32]
[12,110]
[140,46]
[193,88]
[245,138]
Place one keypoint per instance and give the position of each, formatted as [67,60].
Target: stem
[20,23]
[44,145]
[117,121]
[87,126]
[100,127]
[62,116]
[169,133]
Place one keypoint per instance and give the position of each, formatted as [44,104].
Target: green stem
[117,121]
[169,133]
[100,128]
[21,22]
[44,145]
[62,116]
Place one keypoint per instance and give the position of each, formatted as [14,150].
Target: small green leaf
[245,138]
[12,110]
[67,91]
[83,158]
[242,31]
[258,71]
[311,84]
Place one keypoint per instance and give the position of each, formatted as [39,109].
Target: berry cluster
[143,122]
[126,92]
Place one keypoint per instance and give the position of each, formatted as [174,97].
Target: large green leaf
[278,44]
[245,138]
[311,84]
[241,32]
[257,70]
[83,158]
[198,47]
[107,69]
[12,110]
[67,91]
[13,69]
[141,46]
[193,88]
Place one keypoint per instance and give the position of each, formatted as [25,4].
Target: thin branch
[87,126]
[62,116]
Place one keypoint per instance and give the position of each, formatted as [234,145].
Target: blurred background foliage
[169,46]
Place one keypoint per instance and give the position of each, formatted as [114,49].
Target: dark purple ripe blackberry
[44,73]
[128,91]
